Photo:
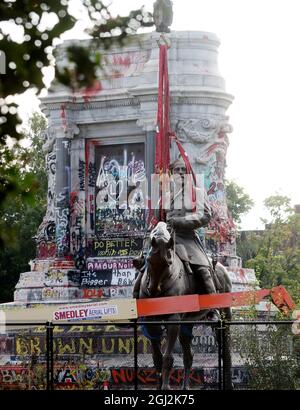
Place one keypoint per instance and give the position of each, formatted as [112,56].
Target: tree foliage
[19,218]
[270,356]
[277,260]
[238,201]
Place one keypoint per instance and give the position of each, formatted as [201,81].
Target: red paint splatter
[89,92]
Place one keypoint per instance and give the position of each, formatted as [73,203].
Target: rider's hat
[178,162]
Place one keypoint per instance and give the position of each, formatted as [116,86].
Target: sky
[259,58]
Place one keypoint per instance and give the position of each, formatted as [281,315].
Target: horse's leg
[157,360]
[154,334]
[185,338]
[168,358]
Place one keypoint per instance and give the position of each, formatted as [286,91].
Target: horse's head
[160,257]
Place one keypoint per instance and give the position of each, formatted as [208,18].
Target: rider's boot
[139,264]
[204,278]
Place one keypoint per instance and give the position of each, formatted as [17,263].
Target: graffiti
[121,190]
[36,345]
[82,376]
[106,341]
[46,230]
[60,293]
[239,375]
[87,376]
[223,230]
[108,277]
[102,278]
[123,277]
[117,247]
[107,292]
[92,175]
[242,275]
[28,295]
[125,64]
[92,293]
[33,376]
[120,292]
[74,329]
[41,265]
[81,175]
[54,278]
[46,250]
[6,345]
[100,264]
[120,221]
[77,207]
[147,376]
[61,278]
[31,280]
[92,216]
[62,231]
[88,92]
[13,375]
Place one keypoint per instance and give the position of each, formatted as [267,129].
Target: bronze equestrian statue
[166,275]
[185,220]
[180,267]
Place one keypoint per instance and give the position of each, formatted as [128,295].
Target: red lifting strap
[162,156]
[163,134]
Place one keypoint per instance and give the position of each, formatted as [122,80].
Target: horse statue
[165,275]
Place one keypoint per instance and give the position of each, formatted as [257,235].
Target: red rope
[163,134]
[189,168]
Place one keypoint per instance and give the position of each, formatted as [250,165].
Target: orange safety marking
[194,303]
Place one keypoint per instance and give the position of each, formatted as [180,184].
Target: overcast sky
[259,58]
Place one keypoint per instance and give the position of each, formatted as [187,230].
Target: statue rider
[184,220]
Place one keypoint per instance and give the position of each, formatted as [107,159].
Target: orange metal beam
[194,303]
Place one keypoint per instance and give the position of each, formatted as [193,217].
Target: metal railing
[253,348]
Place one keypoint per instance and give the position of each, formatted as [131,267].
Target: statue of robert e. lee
[185,220]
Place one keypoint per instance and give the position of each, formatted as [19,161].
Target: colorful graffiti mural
[120,190]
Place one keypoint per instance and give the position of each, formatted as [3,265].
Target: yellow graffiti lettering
[86,346]
[110,328]
[58,329]
[92,329]
[109,244]
[66,348]
[99,244]
[105,348]
[35,345]
[123,252]
[125,345]
[145,344]
[74,329]
[22,347]
[39,329]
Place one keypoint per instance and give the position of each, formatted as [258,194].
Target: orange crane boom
[194,303]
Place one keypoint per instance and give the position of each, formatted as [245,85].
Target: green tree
[248,244]
[19,218]
[269,353]
[238,201]
[278,257]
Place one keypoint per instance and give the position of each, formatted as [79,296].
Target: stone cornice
[201,97]
[147,40]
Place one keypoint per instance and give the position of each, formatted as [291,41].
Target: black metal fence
[117,355]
